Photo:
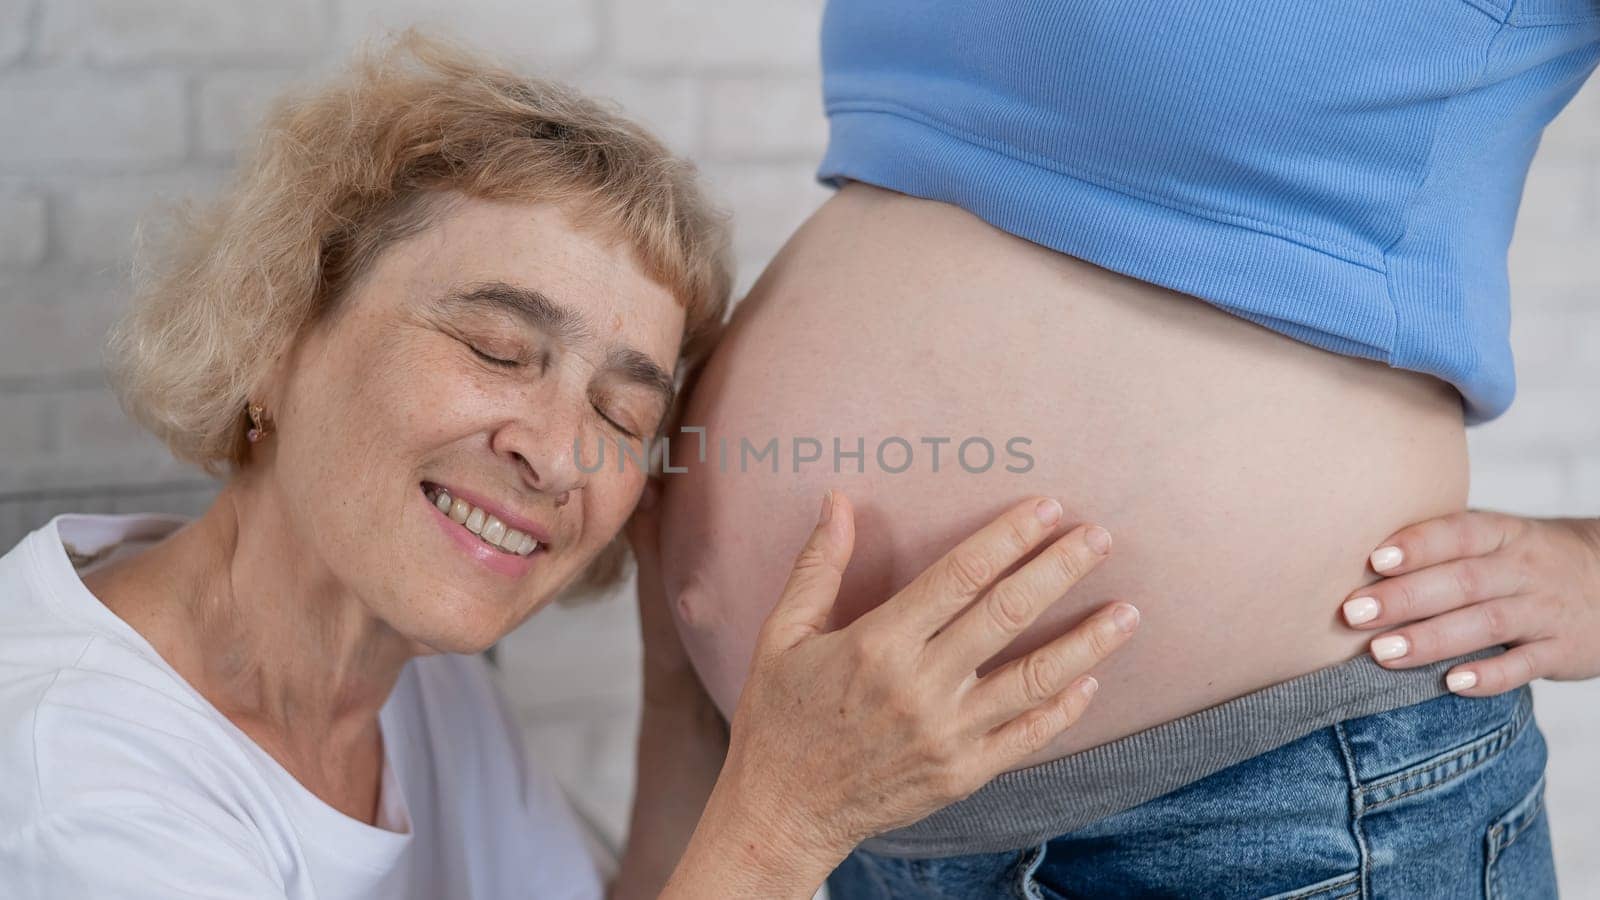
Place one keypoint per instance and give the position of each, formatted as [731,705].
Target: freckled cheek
[352,408]
[426,403]
[361,442]
[396,385]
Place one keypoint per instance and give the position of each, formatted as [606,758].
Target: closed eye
[517,363]
[613,422]
[495,360]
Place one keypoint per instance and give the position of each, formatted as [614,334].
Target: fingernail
[1386,558]
[827,507]
[1360,610]
[1048,511]
[1126,615]
[1460,681]
[1089,685]
[1390,647]
[1098,539]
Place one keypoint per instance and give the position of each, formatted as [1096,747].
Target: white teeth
[512,540]
[493,530]
[490,529]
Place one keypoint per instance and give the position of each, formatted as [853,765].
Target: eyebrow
[532,306]
[642,369]
[540,311]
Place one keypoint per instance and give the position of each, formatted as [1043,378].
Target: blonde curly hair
[338,173]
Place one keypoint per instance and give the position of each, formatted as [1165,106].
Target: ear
[267,390]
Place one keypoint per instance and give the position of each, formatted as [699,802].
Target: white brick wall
[97,217]
[549,34]
[13,29]
[715,35]
[112,108]
[227,104]
[77,120]
[22,228]
[113,33]
[765,118]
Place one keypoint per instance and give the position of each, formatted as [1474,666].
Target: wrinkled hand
[1478,579]
[841,735]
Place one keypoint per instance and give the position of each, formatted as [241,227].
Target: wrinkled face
[488,360]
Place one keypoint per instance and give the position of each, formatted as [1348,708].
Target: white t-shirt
[118,779]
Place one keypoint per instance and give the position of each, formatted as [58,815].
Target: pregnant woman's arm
[1478,579]
[847,733]
[683,738]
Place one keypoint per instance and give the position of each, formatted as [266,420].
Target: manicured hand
[844,734]
[1478,579]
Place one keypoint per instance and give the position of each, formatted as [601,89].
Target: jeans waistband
[1027,806]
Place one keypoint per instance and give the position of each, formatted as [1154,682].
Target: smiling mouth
[485,527]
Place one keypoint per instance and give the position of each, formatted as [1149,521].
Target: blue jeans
[1442,799]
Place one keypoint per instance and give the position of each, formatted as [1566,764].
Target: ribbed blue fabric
[1345,172]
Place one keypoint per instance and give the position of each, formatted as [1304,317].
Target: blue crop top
[1345,172]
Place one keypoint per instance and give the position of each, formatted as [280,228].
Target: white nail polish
[1460,681]
[1386,558]
[1390,647]
[1360,610]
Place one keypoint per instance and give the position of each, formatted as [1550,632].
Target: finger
[1436,589]
[1016,601]
[1024,683]
[1033,730]
[1498,674]
[1487,624]
[956,579]
[1470,533]
[813,583]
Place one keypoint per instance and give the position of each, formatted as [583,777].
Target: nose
[545,450]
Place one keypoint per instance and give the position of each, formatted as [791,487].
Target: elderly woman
[433,284]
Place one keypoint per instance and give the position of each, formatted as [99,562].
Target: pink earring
[259,428]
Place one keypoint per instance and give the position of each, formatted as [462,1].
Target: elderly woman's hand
[1478,579]
[843,734]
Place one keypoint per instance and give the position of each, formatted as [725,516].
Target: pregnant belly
[1244,476]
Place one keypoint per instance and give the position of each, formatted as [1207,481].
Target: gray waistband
[1022,808]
